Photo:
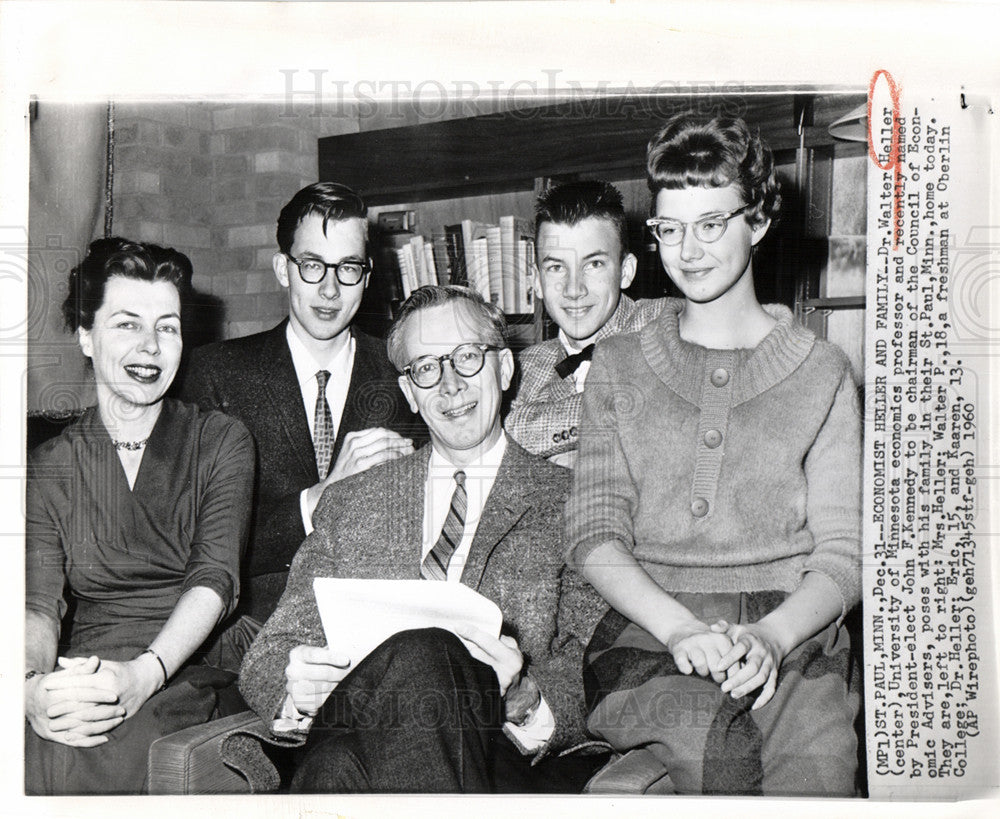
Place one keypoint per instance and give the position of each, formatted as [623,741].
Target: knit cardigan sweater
[722,470]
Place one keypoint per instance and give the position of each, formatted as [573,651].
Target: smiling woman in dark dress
[137,514]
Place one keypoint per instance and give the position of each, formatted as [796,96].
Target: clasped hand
[84,698]
[741,658]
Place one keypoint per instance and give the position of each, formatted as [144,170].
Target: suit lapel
[404,499]
[373,396]
[282,388]
[352,420]
[559,387]
[505,506]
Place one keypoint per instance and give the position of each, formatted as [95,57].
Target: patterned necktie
[322,427]
[435,565]
[572,363]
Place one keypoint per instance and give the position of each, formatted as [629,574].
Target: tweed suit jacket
[369,526]
[545,415]
[253,379]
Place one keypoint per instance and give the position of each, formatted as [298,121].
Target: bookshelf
[457,242]
[484,167]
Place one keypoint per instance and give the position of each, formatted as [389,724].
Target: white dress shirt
[340,366]
[438,491]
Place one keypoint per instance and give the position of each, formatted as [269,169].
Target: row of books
[495,260]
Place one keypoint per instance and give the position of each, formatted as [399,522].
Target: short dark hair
[330,200]
[693,150]
[571,202]
[115,256]
[494,323]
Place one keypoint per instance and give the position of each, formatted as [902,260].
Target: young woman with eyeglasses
[716,503]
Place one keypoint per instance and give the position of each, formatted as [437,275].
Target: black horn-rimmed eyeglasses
[467,360]
[313,271]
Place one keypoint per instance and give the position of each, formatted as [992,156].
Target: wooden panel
[506,151]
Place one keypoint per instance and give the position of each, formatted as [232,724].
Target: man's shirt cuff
[290,719]
[307,523]
[537,729]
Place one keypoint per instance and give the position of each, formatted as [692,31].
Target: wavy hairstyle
[120,257]
[693,150]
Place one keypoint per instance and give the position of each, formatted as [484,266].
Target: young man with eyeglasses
[318,395]
[582,266]
[431,711]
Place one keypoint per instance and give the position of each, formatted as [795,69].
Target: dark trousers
[420,715]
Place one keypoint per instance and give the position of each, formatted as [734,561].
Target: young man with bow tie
[582,266]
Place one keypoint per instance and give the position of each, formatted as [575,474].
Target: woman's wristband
[163,668]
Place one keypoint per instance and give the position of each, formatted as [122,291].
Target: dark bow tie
[571,363]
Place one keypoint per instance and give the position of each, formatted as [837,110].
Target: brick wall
[260,158]
[209,178]
[162,179]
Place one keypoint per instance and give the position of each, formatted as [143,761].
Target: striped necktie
[322,427]
[435,565]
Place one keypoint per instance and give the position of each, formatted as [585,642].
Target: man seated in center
[473,507]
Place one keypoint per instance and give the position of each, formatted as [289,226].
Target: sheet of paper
[358,615]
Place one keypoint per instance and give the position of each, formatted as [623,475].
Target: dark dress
[122,558]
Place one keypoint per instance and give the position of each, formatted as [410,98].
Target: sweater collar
[681,365]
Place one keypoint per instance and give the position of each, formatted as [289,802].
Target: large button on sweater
[782,489]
